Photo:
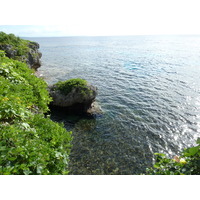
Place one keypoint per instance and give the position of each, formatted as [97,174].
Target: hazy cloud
[105,17]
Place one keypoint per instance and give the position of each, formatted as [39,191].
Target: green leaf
[25,125]
[160,154]
[26,171]
[193,150]
[39,169]
[198,141]
[3,148]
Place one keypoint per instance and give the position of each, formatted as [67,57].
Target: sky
[41,18]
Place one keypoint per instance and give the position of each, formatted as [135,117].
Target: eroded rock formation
[31,56]
[79,99]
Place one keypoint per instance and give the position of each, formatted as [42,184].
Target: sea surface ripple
[149,91]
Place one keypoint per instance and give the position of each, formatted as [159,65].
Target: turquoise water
[149,91]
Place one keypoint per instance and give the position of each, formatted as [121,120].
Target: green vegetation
[12,40]
[187,164]
[30,143]
[66,87]
[18,81]
[17,44]
[36,145]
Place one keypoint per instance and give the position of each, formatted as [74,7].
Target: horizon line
[177,34]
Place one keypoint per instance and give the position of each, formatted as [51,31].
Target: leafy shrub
[36,146]
[2,54]
[9,39]
[18,44]
[17,80]
[187,164]
[29,142]
[66,86]
[13,109]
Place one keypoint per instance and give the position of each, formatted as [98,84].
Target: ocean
[149,92]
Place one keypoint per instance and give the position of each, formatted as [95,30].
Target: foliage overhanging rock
[30,143]
[22,50]
[74,94]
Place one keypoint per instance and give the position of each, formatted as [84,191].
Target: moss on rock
[65,87]
[73,94]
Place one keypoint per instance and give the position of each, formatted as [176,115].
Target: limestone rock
[79,98]
[31,57]
[95,109]
[10,52]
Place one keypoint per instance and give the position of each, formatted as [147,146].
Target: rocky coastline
[79,99]
[31,56]
[31,143]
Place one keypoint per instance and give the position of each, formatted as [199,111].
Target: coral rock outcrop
[80,98]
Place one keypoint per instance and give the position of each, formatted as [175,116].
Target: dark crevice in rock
[78,100]
[31,57]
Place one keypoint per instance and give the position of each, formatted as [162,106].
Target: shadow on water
[102,151]
[68,117]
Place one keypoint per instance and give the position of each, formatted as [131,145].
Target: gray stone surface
[78,99]
[31,58]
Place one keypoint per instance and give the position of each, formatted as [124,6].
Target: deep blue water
[149,91]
